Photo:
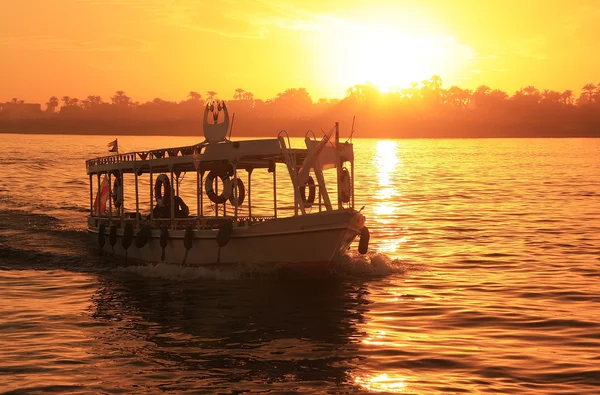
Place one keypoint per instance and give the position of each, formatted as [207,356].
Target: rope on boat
[164,239]
[223,236]
[112,238]
[188,241]
[127,238]
[101,240]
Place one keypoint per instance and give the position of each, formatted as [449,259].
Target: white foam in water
[371,264]
[182,273]
[179,272]
[349,265]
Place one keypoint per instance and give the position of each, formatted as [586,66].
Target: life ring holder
[210,192]
[238,184]
[312,192]
[162,200]
[345,185]
[117,190]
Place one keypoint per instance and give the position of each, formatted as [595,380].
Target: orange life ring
[162,200]
[117,191]
[312,191]
[345,186]
[210,192]
[241,193]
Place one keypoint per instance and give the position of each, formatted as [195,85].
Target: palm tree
[194,96]
[498,94]
[52,104]
[454,93]
[120,98]
[551,96]
[567,97]
[211,95]
[238,94]
[94,100]
[435,82]
[589,90]
[531,90]
[480,96]
[482,90]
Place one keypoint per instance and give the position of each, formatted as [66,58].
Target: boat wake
[39,242]
[374,265]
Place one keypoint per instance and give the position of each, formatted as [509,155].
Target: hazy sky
[165,48]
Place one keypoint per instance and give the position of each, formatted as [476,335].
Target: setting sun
[300,196]
[390,58]
[163,49]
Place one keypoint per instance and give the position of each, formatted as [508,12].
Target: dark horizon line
[435,82]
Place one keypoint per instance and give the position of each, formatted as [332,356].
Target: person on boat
[181,209]
[164,211]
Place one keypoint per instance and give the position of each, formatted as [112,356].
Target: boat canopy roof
[246,154]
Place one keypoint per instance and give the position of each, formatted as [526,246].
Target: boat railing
[197,223]
[146,155]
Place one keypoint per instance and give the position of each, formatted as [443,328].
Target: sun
[388,57]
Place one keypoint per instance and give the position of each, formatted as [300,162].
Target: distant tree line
[425,109]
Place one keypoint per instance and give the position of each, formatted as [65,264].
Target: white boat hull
[307,242]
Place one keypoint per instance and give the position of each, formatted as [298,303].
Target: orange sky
[165,48]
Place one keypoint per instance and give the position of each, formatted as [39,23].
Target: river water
[483,277]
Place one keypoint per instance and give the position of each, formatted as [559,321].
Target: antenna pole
[338,163]
[352,130]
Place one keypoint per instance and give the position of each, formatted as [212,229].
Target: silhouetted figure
[161,211]
[164,211]
[181,209]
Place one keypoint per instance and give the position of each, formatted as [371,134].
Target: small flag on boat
[113,146]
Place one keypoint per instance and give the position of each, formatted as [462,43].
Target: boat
[305,233]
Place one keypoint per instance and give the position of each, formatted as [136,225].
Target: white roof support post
[151,195]
[109,199]
[121,210]
[98,196]
[275,189]
[198,197]
[235,192]
[290,162]
[137,200]
[172,193]
[91,195]
[250,194]
[338,165]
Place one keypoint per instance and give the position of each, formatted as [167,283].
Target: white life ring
[240,190]
[210,192]
[162,201]
[117,191]
[345,186]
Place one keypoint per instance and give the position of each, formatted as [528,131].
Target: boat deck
[248,154]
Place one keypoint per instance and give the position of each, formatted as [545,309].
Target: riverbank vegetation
[425,109]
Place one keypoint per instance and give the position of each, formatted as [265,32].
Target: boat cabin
[143,188]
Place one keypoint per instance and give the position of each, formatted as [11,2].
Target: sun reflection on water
[386,162]
[382,383]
